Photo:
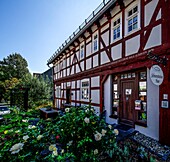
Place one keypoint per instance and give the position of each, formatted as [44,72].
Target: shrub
[78,135]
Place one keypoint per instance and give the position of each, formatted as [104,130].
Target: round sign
[156,75]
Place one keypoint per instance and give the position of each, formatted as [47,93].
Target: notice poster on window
[137,104]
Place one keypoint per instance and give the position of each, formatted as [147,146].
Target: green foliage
[84,134]
[79,135]
[40,90]
[14,66]
[8,85]
[12,69]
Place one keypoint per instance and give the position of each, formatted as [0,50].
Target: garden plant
[78,135]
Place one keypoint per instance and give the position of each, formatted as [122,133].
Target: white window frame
[113,27]
[85,88]
[64,62]
[95,42]
[131,17]
[82,50]
[58,92]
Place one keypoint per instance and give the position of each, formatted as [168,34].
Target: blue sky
[36,28]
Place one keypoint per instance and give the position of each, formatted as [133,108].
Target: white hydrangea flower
[87,110]
[103,132]
[52,147]
[55,153]
[16,148]
[116,132]
[98,136]
[17,131]
[25,121]
[110,127]
[92,110]
[39,137]
[96,151]
[25,137]
[31,127]
[70,143]
[87,120]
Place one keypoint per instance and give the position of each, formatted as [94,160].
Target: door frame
[122,120]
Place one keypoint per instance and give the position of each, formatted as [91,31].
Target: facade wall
[110,48]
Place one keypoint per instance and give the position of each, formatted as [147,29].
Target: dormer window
[95,43]
[133,19]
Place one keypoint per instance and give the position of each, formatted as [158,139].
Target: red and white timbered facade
[107,62]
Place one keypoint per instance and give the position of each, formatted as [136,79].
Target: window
[81,51]
[133,19]
[115,98]
[57,92]
[85,90]
[95,43]
[64,63]
[116,29]
[142,101]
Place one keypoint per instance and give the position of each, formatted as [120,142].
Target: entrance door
[68,96]
[127,102]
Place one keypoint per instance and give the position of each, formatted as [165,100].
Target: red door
[126,115]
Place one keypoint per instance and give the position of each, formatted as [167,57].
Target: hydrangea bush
[78,135]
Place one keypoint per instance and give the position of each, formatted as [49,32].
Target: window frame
[113,27]
[82,49]
[142,98]
[131,17]
[95,42]
[87,88]
[58,91]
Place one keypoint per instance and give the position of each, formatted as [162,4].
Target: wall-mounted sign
[157,58]
[156,75]
[128,91]
[164,104]
[165,96]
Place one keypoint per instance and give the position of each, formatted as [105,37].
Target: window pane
[114,31]
[142,86]
[118,34]
[129,75]
[115,87]
[135,19]
[130,22]
[135,9]
[133,75]
[143,75]
[135,26]
[118,29]
[130,13]
[129,28]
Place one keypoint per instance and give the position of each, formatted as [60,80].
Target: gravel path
[153,146]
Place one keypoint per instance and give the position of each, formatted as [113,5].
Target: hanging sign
[156,75]
[157,58]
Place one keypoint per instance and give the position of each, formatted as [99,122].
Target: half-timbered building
[117,60]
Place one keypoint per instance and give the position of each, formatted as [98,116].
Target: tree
[40,89]
[14,66]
